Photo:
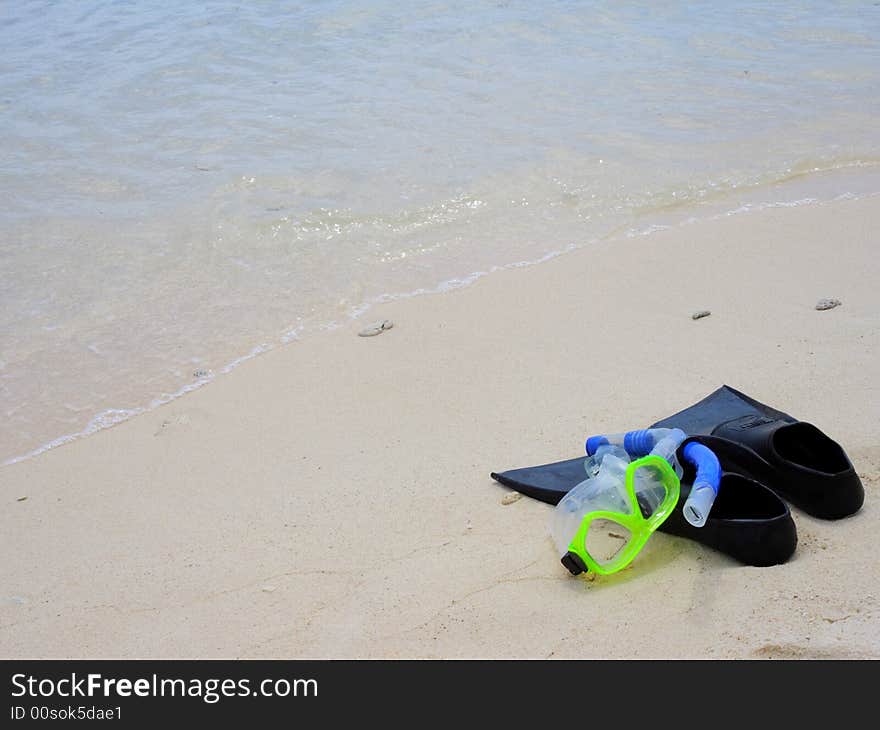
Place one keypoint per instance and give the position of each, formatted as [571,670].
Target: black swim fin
[748,521]
[795,459]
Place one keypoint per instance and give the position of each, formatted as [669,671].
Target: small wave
[111,417]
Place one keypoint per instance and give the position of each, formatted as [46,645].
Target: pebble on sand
[511,497]
[824,304]
[702,313]
[377,328]
[21,499]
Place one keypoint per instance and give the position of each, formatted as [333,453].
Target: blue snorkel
[635,443]
[705,487]
[641,442]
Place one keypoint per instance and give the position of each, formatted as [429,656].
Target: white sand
[332,498]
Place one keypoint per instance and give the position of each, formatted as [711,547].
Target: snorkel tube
[658,440]
[705,488]
[634,445]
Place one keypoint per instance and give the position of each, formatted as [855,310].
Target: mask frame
[639,526]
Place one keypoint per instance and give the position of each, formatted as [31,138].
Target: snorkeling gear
[628,501]
[623,500]
[747,521]
[794,458]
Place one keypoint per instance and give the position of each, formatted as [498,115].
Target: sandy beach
[332,498]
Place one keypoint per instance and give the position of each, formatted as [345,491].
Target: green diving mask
[602,523]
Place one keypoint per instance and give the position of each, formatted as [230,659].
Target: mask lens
[651,489]
[606,541]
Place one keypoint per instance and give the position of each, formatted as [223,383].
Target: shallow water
[185,186]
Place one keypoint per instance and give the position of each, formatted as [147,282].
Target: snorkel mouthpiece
[706,482]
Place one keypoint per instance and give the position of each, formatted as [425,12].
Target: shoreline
[333,500]
[856,176]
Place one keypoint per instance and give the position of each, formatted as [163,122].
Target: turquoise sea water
[185,185]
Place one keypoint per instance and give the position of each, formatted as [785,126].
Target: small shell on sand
[702,313]
[824,304]
[377,328]
[511,497]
